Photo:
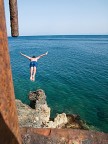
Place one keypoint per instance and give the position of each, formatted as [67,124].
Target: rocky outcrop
[40,116]
[37,127]
[37,115]
[38,100]
[75,122]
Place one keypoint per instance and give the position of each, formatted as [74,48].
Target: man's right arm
[25,56]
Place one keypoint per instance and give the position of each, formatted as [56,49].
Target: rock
[39,116]
[60,120]
[29,117]
[75,122]
[36,96]
[32,122]
[26,115]
[39,99]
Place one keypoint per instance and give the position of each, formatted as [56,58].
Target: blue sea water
[74,74]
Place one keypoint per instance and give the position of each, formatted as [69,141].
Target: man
[33,64]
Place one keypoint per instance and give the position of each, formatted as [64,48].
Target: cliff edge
[37,127]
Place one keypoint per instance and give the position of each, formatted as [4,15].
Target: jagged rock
[60,120]
[74,121]
[39,117]
[27,116]
[36,95]
[39,99]
[35,118]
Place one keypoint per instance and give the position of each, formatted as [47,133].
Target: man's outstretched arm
[25,56]
[42,55]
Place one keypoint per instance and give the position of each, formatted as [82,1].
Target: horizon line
[64,35]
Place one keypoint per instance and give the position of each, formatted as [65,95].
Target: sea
[74,74]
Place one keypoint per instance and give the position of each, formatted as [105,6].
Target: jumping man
[33,64]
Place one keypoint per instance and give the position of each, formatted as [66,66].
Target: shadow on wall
[6,136]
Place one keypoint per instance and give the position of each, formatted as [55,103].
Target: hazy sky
[51,17]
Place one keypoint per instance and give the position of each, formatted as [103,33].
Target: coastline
[37,127]
[37,115]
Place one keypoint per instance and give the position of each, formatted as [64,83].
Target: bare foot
[33,78]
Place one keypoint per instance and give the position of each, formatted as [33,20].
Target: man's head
[33,56]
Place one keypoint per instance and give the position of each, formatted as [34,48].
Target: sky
[60,17]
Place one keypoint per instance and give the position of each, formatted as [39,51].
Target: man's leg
[31,73]
[34,73]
